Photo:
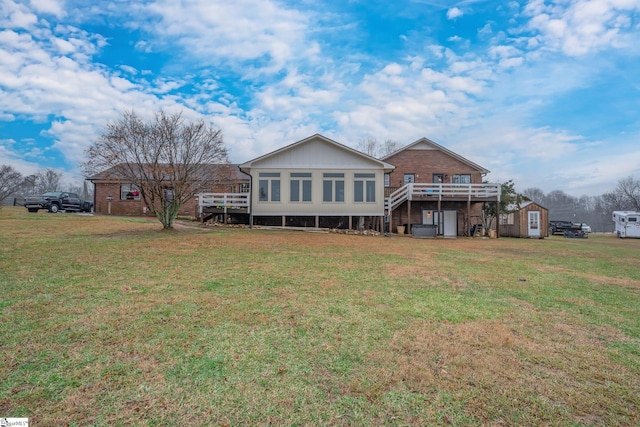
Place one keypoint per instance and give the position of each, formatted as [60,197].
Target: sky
[546,93]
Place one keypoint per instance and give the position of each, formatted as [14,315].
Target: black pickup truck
[559,227]
[55,201]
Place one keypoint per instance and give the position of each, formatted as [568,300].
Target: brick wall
[425,163]
[400,215]
[129,207]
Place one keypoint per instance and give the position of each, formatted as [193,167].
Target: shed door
[534,224]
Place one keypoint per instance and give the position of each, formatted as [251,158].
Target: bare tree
[534,194]
[629,190]
[29,184]
[80,188]
[374,148]
[10,181]
[168,159]
[47,180]
[389,146]
[614,201]
[368,146]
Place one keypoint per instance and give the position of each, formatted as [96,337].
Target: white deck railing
[413,191]
[426,191]
[223,201]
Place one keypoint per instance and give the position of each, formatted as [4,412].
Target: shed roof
[513,208]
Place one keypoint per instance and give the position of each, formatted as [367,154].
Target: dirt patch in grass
[532,369]
[626,282]
[617,281]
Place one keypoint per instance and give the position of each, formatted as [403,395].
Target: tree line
[14,186]
[593,210]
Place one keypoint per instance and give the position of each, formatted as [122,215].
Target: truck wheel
[53,208]
[32,210]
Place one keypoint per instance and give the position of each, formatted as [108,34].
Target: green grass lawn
[111,321]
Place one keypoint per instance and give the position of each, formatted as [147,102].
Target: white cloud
[479,103]
[143,46]
[49,75]
[485,30]
[583,26]
[128,69]
[64,47]
[16,15]
[51,7]
[507,56]
[454,13]
[234,32]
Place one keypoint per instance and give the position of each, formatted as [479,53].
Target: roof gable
[316,152]
[427,144]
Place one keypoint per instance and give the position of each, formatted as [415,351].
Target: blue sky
[546,93]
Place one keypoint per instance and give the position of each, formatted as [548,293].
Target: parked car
[586,228]
[55,201]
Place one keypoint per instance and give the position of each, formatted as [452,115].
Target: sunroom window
[333,187]
[269,186]
[300,187]
[364,187]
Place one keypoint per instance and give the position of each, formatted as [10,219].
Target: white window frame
[364,187]
[336,180]
[461,178]
[304,182]
[271,182]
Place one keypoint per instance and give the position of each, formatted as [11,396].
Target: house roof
[316,139]
[425,142]
[113,174]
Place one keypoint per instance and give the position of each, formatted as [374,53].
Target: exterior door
[448,227]
[450,223]
[534,224]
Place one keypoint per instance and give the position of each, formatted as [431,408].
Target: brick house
[436,191]
[117,196]
[423,188]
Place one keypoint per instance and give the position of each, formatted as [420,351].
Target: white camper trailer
[627,223]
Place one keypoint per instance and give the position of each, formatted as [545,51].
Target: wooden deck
[210,204]
[394,197]
[442,192]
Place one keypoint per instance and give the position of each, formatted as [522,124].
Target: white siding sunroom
[317,177]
